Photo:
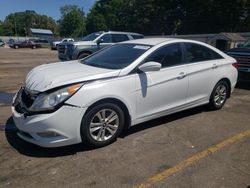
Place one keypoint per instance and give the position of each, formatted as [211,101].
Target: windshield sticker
[141,47]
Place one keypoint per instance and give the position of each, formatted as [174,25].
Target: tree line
[148,17]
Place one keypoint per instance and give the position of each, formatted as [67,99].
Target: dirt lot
[195,148]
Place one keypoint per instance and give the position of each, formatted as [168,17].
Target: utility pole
[15,24]
[82,21]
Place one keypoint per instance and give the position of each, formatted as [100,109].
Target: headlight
[48,101]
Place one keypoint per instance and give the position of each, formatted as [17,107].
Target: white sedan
[94,99]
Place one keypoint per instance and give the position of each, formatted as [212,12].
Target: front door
[106,40]
[165,90]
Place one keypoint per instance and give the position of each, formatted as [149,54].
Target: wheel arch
[82,52]
[229,85]
[118,102]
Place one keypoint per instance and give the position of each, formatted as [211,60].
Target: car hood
[241,50]
[48,76]
[85,43]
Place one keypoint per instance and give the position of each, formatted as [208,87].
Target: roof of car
[151,41]
[121,32]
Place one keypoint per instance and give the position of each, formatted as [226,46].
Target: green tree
[72,22]
[1,28]
[20,23]
[156,17]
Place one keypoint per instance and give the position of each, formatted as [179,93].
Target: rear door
[204,71]
[25,44]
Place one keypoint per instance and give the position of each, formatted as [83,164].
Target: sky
[46,7]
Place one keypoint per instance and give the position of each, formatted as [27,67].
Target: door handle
[215,66]
[181,75]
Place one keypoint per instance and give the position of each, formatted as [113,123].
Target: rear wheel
[16,46]
[102,124]
[219,95]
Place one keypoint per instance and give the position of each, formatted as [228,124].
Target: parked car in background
[2,43]
[10,41]
[25,44]
[55,44]
[41,41]
[92,43]
[242,55]
[94,99]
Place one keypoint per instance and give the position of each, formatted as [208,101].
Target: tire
[83,55]
[96,131]
[219,95]
[33,47]
[16,47]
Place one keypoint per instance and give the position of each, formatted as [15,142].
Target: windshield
[92,36]
[117,56]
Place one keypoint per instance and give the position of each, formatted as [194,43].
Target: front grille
[28,98]
[61,49]
[19,108]
[24,100]
[242,59]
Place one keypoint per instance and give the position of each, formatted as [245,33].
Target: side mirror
[99,41]
[150,66]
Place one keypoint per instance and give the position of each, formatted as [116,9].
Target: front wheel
[102,124]
[219,95]
[83,55]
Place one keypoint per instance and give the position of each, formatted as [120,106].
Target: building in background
[226,41]
[222,41]
[41,33]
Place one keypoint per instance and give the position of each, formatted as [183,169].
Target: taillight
[235,65]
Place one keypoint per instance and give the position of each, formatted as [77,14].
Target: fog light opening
[48,134]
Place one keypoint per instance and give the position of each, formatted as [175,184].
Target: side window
[106,38]
[119,37]
[169,55]
[195,53]
[215,55]
[137,36]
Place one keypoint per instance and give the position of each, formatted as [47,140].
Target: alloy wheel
[220,95]
[104,125]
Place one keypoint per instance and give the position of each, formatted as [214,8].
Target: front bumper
[244,76]
[64,57]
[56,129]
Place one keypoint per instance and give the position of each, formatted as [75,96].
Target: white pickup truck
[54,44]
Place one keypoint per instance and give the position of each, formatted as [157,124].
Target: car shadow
[32,150]
[164,120]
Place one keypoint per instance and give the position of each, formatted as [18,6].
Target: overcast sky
[46,7]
